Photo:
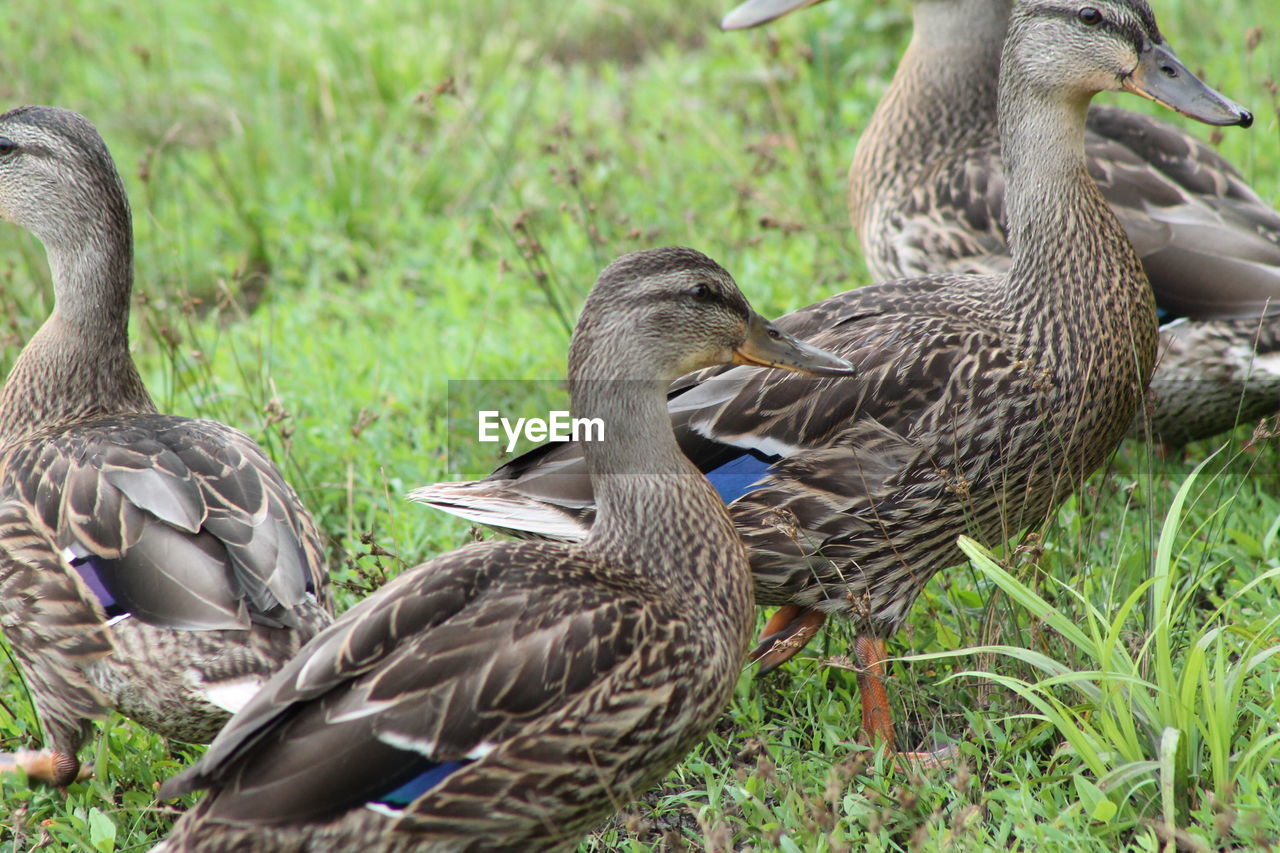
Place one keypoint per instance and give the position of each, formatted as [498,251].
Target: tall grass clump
[1164,707]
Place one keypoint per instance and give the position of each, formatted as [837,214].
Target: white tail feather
[494,509]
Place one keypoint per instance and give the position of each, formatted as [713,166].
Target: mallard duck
[509,696]
[927,195]
[155,565]
[982,401]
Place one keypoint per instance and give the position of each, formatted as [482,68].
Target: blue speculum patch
[420,784]
[740,475]
[96,573]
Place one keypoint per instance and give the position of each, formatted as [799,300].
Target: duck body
[858,488]
[541,677]
[151,564]
[509,696]
[981,401]
[927,195]
[1211,376]
[948,432]
[181,559]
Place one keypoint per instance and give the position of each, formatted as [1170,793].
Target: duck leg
[791,627]
[48,766]
[788,630]
[877,719]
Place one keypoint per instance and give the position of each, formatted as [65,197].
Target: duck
[154,565]
[981,401]
[508,696]
[927,194]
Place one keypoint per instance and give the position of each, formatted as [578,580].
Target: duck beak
[753,13]
[1161,77]
[766,346]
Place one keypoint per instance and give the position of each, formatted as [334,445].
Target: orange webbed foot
[47,766]
[788,630]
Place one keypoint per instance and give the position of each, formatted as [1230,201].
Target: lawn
[340,207]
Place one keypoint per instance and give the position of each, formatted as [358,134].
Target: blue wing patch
[740,475]
[433,775]
[96,573]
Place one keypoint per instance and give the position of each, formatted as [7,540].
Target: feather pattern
[981,401]
[453,656]
[508,696]
[41,600]
[149,564]
[946,430]
[927,195]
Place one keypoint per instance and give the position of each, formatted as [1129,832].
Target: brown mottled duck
[982,401]
[155,565]
[927,195]
[509,696]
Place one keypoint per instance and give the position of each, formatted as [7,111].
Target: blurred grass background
[341,206]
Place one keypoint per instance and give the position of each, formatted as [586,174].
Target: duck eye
[700,292]
[7,146]
[1089,16]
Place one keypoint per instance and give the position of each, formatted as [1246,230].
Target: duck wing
[951,223]
[1209,244]
[747,428]
[450,663]
[180,523]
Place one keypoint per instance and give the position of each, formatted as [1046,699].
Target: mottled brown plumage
[981,402]
[522,691]
[154,565]
[927,195]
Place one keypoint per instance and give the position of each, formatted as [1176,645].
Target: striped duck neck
[646,489]
[1074,268]
[78,364]
[943,91]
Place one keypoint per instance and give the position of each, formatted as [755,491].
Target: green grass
[341,206]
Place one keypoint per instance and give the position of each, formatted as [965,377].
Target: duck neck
[651,501]
[1062,233]
[78,364]
[1074,268]
[943,93]
[1042,144]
